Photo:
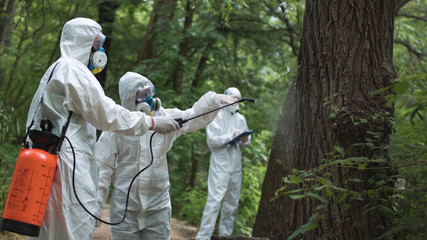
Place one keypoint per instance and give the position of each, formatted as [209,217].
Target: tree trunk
[184,47]
[6,29]
[107,17]
[194,165]
[6,23]
[161,14]
[345,57]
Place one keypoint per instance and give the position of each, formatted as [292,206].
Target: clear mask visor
[143,92]
[99,41]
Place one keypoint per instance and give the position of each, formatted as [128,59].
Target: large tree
[345,69]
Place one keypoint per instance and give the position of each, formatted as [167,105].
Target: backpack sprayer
[32,178]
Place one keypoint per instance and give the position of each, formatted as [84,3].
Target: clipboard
[237,138]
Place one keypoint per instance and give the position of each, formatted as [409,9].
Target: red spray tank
[32,181]
[29,191]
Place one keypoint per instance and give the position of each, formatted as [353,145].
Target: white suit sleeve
[106,153]
[205,104]
[215,137]
[85,96]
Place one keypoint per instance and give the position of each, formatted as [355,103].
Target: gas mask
[145,102]
[98,58]
[234,108]
[232,91]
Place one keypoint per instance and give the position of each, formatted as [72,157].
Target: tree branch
[399,5]
[410,48]
[411,16]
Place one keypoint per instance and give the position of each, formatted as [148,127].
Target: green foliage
[8,151]
[252,178]
[193,204]
[409,147]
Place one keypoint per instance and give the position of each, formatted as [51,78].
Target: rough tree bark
[345,56]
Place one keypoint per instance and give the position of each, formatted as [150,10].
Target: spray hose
[130,185]
[180,122]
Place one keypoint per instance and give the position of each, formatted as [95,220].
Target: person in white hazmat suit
[225,169]
[120,158]
[74,88]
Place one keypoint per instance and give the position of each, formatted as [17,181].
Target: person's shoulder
[75,72]
[69,62]
[73,65]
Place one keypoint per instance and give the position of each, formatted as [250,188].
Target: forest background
[188,47]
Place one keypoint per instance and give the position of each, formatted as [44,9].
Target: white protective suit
[120,158]
[225,170]
[74,88]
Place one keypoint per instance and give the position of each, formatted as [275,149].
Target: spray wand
[182,121]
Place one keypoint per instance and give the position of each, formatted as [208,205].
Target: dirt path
[181,230]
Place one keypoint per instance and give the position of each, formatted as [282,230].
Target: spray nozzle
[247,99]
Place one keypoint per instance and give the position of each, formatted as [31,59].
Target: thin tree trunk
[194,166]
[202,64]
[107,17]
[184,47]
[161,14]
[6,27]
[6,30]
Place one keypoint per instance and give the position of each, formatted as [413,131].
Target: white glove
[236,132]
[225,99]
[164,124]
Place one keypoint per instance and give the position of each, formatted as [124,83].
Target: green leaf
[294,191]
[356,180]
[401,87]
[343,197]
[316,196]
[335,108]
[295,179]
[306,227]
[297,196]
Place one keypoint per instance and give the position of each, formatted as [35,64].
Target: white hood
[77,39]
[128,85]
